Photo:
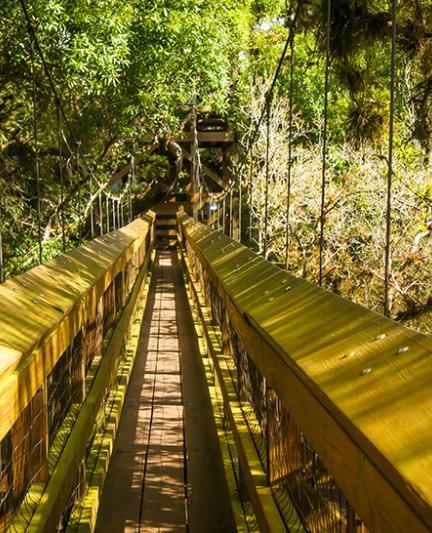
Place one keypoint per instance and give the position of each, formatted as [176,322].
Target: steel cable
[290,143]
[36,153]
[387,259]
[324,146]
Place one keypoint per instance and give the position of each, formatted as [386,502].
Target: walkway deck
[166,473]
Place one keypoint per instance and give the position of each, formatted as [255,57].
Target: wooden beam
[211,137]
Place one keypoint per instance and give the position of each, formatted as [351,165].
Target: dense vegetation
[123,68]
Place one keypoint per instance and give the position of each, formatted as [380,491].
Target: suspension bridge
[163,376]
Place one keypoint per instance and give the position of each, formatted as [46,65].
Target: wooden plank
[371,429]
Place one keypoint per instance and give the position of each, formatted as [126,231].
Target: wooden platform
[166,473]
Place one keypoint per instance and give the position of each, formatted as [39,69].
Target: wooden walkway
[166,473]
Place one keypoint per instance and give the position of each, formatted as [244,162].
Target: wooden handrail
[357,384]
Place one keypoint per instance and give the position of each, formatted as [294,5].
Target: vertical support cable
[251,197]
[194,150]
[387,259]
[122,214]
[36,153]
[118,213]
[91,208]
[224,214]
[231,212]
[101,214]
[267,177]
[131,182]
[240,202]
[114,214]
[2,275]
[107,202]
[324,151]
[290,143]
[60,169]
[80,217]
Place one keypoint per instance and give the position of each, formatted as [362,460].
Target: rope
[267,179]
[290,143]
[36,151]
[387,259]
[324,152]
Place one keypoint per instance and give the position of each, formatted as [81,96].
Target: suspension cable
[60,169]
[272,86]
[231,212]
[387,261]
[224,215]
[92,232]
[80,210]
[251,197]
[101,214]
[131,183]
[32,32]
[324,147]
[107,203]
[267,179]
[36,152]
[290,147]
[2,274]
[240,205]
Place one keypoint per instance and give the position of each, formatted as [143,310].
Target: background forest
[123,68]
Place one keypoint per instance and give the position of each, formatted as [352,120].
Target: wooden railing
[336,400]
[65,353]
